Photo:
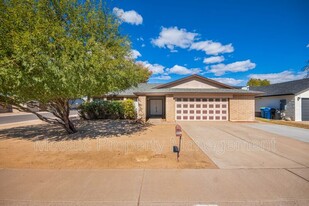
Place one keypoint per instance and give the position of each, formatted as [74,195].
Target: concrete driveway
[239,145]
[287,131]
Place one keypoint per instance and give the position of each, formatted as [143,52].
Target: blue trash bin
[267,113]
[262,112]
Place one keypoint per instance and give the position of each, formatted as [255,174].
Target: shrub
[86,110]
[115,110]
[107,110]
[129,109]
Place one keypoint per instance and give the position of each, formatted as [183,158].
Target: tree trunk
[69,126]
[61,109]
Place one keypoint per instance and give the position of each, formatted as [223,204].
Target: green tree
[258,82]
[55,50]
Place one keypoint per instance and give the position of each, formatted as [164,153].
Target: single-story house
[194,98]
[292,98]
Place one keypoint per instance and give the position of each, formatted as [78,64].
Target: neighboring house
[292,98]
[193,98]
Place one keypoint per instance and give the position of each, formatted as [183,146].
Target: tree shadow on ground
[86,129]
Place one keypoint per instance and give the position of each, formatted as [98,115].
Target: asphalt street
[11,118]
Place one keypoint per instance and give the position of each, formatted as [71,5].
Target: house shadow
[86,129]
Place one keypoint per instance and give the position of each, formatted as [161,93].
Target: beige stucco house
[194,98]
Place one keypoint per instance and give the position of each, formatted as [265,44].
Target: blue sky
[229,41]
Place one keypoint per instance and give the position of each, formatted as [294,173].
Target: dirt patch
[99,144]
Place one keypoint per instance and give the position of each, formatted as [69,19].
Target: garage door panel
[305,109]
[202,109]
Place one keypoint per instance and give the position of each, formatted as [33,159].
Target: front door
[156,107]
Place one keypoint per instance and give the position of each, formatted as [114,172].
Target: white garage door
[202,109]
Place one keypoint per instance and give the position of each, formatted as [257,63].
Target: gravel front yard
[98,144]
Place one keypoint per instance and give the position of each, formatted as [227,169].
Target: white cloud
[212,48]
[173,37]
[307,46]
[135,54]
[131,17]
[215,59]
[154,68]
[162,77]
[143,45]
[229,81]
[284,76]
[183,70]
[240,66]
[140,39]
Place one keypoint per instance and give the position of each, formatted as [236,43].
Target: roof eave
[302,91]
[202,92]
[275,95]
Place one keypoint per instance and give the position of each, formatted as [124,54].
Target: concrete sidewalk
[153,187]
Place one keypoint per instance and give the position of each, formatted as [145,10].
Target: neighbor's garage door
[202,109]
[305,109]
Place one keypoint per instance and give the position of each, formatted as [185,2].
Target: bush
[129,109]
[115,110]
[107,110]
